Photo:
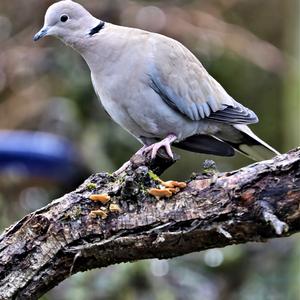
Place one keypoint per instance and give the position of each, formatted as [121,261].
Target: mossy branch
[255,203]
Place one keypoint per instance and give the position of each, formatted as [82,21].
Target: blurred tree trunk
[291,105]
[291,101]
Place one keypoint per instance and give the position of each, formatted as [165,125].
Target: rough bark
[255,203]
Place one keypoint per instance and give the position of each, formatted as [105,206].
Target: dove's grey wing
[182,82]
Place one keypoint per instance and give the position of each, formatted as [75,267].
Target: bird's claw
[162,144]
[165,143]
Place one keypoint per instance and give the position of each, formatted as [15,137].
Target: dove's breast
[131,104]
[135,106]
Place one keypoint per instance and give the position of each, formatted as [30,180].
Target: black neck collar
[97,28]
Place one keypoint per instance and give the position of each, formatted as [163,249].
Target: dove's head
[68,21]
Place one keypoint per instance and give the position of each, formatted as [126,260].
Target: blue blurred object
[38,155]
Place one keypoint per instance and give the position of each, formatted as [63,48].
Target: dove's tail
[229,138]
[251,145]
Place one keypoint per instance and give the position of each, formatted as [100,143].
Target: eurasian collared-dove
[156,88]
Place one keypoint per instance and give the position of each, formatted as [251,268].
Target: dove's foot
[153,149]
[168,188]
[165,143]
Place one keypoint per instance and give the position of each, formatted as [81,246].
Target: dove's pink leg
[166,143]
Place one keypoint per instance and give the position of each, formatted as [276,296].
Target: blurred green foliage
[251,47]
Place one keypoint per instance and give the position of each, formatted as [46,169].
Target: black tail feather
[205,144]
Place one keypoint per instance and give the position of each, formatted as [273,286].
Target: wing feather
[184,84]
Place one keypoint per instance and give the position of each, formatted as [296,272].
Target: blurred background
[54,133]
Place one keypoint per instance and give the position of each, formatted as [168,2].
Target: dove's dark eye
[64,18]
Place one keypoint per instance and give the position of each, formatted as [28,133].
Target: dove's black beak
[43,32]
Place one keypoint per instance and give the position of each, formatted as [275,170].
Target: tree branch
[255,203]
